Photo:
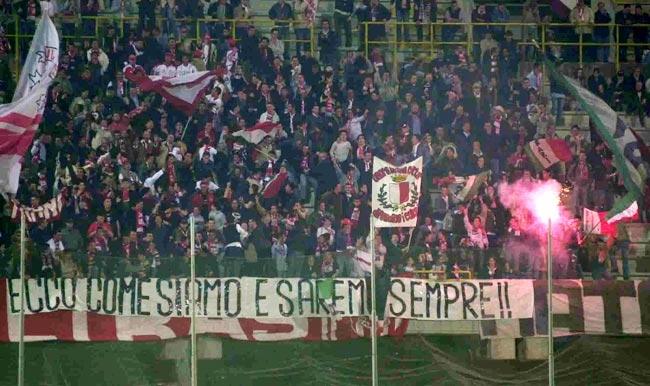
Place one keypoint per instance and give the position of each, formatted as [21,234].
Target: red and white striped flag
[20,119]
[258,132]
[183,92]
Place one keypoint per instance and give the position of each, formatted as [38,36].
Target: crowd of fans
[102,141]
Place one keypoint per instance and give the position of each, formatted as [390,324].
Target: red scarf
[140,222]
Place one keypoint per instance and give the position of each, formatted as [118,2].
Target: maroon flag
[275,185]
[183,92]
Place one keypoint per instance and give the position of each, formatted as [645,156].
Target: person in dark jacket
[342,24]
[282,14]
[146,13]
[491,270]
[222,11]
[376,14]
[402,10]
[601,33]
[328,43]
[624,18]
[640,32]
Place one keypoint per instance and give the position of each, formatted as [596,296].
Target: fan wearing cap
[344,238]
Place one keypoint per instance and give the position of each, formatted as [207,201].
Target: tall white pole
[21,342]
[193,302]
[549,271]
[373,300]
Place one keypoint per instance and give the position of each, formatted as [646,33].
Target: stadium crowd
[103,139]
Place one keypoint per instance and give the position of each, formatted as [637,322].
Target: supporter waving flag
[256,133]
[274,186]
[20,119]
[42,60]
[544,153]
[183,92]
[618,137]
[472,186]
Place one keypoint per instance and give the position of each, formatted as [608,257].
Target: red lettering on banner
[58,323]
[89,326]
[250,326]
[383,172]
[386,217]
[180,326]
[101,327]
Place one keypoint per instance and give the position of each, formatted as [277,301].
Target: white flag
[43,58]
[19,120]
[396,193]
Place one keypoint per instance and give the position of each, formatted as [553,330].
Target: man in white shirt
[535,77]
[341,149]
[52,256]
[55,244]
[185,68]
[214,100]
[167,69]
[269,115]
[207,148]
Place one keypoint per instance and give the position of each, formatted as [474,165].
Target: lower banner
[265,309]
[92,326]
[251,297]
[599,307]
[460,300]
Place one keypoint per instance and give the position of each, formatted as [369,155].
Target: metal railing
[432,42]
[124,23]
[465,35]
[513,261]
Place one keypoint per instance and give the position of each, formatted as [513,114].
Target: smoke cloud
[531,204]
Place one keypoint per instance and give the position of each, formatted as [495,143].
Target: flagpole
[549,272]
[185,128]
[21,342]
[373,300]
[193,301]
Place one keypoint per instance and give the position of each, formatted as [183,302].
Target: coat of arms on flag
[399,191]
[396,193]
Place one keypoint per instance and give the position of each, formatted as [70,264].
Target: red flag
[273,187]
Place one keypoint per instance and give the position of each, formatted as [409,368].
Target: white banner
[460,300]
[251,297]
[396,193]
[597,307]
[246,297]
